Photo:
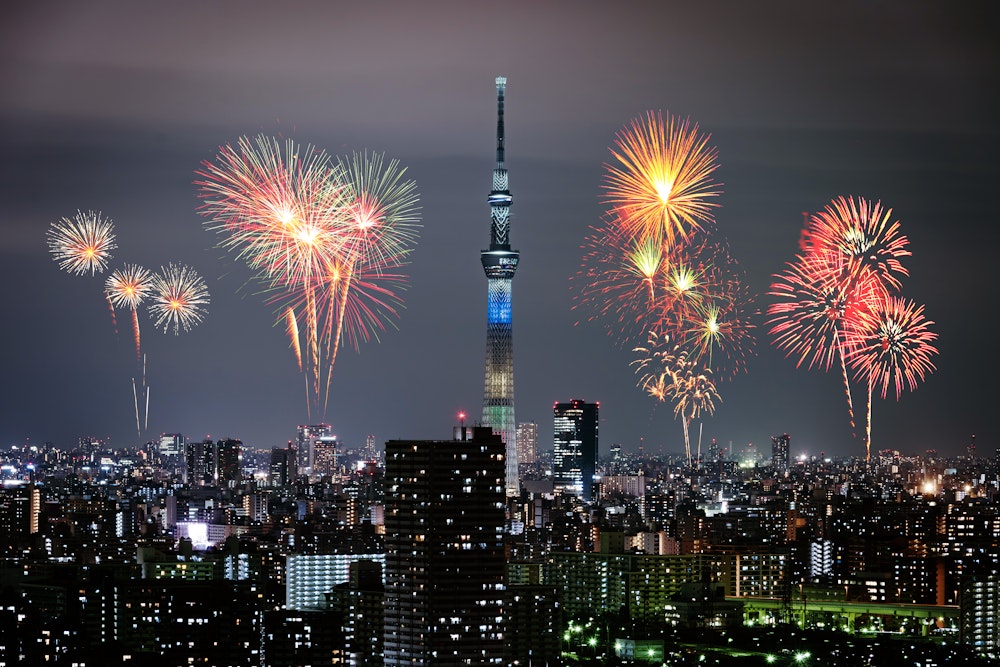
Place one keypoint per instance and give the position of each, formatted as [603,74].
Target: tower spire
[500,263]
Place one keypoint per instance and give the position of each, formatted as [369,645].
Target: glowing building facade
[527,442]
[500,263]
[305,440]
[779,451]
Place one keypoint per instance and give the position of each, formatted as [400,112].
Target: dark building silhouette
[445,560]
[779,451]
[575,447]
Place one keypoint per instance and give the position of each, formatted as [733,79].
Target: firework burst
[179,298]
[325,237]
[835,302]
[82,244]
[126,288]
[893,347]
[861,234]
[655,271]
[661,180]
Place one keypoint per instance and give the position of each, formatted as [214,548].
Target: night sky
[113,106]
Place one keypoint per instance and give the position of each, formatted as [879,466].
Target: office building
[304,443]
[575,447]
[445,560]
[527,442]
[779,451]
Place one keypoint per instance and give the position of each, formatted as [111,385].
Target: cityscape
[769,439]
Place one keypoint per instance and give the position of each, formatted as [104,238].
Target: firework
[83,244]
[671,372]
[126,288]
[893,346]
[860,233]
[654,270]
[836,302]
[278,206]
[179,298]
[324,237]
[661,181]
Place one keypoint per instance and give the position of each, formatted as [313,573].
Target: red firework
[863,235]
[893,347]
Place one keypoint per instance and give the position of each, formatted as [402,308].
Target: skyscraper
[527,442]
[500,263]
[575,447]
[444,550]
[779,451]
[305,456]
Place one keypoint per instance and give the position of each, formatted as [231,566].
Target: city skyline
[113,109]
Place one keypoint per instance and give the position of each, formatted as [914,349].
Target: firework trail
[178,298]
[815,309]
[126,288]
[671,373]
[324,237]
[892,347]
[83,244]
[292,328]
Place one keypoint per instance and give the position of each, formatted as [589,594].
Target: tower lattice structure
[500,263]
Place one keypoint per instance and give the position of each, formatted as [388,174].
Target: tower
[574,447]
[444,550]
[500,263]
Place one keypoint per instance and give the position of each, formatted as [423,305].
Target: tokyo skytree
[500,263]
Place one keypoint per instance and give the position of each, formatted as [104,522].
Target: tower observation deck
[500,263]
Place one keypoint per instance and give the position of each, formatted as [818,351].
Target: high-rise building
[199,462]
[574,458]
[20,508]
[527,442]
[171,446]
[212,463]
[305,439]
[282,465]
[325,456]
[500,263]
[444,550]
[227,462]
[779,451]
